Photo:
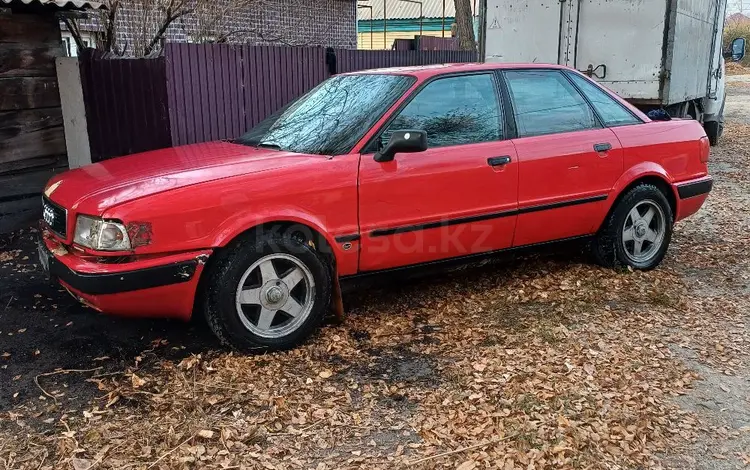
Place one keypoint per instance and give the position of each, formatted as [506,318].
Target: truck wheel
[713,131]
[637,232]
[269,293]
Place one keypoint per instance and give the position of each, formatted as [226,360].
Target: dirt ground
[540,361]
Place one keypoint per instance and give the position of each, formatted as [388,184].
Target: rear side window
[611,112]
[453,111]
[545,102]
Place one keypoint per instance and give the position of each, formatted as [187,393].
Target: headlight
[101,235]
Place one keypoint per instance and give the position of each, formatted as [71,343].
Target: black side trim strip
[444,223]
[477,218]
[348,238]
[101,284]
[460,260]
[695,189]
[557,205]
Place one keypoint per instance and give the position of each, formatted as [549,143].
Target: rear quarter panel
[321,194]
[666,149]
[672,145]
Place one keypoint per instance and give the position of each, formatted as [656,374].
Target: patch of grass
[527,403]
[548,334]
[737,29]
[661,299]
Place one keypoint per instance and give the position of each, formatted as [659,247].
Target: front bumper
[163,287]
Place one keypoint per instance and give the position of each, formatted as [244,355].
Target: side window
[545,102]
[453,111]
[611,112]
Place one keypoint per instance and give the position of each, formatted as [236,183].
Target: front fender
[346,259]
[239,223]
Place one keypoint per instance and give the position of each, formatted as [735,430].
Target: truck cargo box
[656,52]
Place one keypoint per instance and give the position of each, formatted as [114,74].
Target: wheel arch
[321,242]
[655,178]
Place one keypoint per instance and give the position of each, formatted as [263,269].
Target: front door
[457,198]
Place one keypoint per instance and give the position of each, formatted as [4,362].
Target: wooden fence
[126,105]
[204,92]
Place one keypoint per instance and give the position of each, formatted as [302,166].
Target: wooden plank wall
[32,142]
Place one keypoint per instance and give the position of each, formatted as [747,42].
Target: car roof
[427,71]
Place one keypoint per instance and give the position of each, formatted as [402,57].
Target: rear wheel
[637,232]
[270,293]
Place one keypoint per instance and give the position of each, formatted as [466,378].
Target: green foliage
[737,29]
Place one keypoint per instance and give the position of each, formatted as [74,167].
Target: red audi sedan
[371,172]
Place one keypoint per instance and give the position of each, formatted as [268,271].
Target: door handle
[603,147]
[498,161]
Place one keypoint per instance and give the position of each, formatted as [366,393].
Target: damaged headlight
[101,235]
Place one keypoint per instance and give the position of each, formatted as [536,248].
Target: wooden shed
[32,141]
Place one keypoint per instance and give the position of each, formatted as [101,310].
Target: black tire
[713,131]
[608,247]
[221,311]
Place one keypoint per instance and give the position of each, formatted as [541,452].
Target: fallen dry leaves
[543,362]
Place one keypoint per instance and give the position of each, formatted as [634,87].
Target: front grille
[55,217]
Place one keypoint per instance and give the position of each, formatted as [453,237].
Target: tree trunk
[465,26]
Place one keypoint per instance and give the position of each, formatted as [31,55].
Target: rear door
[457,198]
[568,161]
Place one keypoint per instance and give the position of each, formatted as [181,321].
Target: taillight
[705,149]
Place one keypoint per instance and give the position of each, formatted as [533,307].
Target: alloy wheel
[643,231]
[275,295]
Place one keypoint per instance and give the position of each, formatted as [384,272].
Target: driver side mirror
[406,141]
[736,50]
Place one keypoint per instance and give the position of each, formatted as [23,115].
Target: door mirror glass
[738,49]
[406,141]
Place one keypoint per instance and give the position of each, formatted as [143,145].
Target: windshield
[332,118]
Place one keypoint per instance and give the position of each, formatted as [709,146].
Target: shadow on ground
[42,329]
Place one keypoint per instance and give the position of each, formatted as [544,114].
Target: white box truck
[654,53]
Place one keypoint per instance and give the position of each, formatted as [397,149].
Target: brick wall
[290,22]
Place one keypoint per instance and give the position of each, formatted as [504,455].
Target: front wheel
[268,293]
[637,232]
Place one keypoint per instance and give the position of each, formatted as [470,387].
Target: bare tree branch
[75,31]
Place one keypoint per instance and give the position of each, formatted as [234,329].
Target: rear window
[611,112]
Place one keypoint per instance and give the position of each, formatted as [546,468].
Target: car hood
[94,188]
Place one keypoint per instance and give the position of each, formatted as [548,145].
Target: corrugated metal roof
[61,4]
[398,9]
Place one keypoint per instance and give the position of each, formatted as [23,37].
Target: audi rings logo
[49,215]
